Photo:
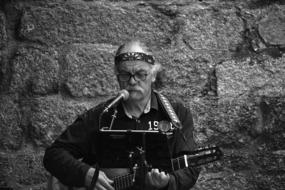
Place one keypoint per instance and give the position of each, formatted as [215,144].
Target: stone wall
[225,59]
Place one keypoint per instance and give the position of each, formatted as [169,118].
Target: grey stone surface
[272,27]
[22,169]
[221,180]
[185,72]
[223,59]
[251,77]
[11,133]
[49,116]
[93,22]
[35,71]
[89,70]
[212,29]
[3,32]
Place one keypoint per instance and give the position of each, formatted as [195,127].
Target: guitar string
[128,178]
[122,180]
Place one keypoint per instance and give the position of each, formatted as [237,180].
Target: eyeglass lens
[138,76]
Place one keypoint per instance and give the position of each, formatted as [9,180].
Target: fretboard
[209,154]
[123,182]
[199,157]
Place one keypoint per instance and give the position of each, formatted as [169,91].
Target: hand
[103,182]
[157,179]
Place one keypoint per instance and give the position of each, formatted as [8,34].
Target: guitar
[195,158]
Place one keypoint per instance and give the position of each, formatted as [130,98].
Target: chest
[147,121]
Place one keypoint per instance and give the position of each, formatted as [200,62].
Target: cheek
[122,84]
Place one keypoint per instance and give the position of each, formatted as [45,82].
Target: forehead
[133,66]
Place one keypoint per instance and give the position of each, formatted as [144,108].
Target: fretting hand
[102,183]
[157,179]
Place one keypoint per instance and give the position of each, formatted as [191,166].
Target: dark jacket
[77,141]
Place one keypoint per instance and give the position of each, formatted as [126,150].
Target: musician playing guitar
[140,108]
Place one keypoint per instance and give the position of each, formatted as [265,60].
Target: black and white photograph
[142,94]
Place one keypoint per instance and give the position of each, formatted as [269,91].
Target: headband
[134,56]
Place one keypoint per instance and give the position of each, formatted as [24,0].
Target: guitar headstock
[203,155]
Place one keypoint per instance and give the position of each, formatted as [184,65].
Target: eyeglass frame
[134,76]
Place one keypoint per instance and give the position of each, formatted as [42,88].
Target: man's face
[139,77]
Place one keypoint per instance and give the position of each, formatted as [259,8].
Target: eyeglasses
[138,76]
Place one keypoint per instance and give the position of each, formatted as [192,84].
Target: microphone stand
[113,118]
[143,165]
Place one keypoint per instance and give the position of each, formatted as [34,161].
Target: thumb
[107,179]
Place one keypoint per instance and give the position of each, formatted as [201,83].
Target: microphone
[123,94]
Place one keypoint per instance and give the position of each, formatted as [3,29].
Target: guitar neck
[191,159]
[199,157]
[124,181]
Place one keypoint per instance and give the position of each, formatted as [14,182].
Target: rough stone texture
[185,72]
[1,70]
[25,167]
[270,112]
[252,77]
[236,123]
[35,70]
[89,70]
[3,33]
[11,133]
[93,22]
[272,27]
[49,116]
[212,29]
[3,41]
[251,133]
[221,180]
[223,59]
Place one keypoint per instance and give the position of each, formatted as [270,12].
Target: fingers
[106,178]
[158,179]
[159,175]
[103,182]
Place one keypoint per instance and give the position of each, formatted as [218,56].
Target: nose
[132,81]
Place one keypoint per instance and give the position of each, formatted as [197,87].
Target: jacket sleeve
[186,178]
[61,158]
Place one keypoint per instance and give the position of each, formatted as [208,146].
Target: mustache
[133,89]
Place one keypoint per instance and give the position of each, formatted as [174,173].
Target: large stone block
[89,70]
[22,170]
[228,123]
[11,133]
[185,73]
[271,119]
[3,33]
[211,28]
[272,27]
[49,116]
[205,115]
[226,180]
[93,22]
[240,121]
[251,77]
[35,70]
[269,168]
[237,122]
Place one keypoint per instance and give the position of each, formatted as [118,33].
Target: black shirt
[77,141]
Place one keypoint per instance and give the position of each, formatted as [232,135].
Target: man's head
[136,69]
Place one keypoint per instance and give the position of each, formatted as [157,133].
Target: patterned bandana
[134,56]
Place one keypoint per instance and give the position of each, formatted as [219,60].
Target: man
[136,71]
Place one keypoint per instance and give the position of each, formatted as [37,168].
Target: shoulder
[178,105]
[95,110]
[176,102]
